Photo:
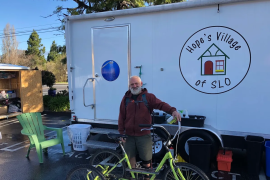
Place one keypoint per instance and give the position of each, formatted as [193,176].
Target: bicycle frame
[96,178]
[168,156]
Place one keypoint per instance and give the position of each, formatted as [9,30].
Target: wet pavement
[15,166]
[13,148]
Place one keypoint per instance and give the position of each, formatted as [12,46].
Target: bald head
[135,78]
[135,85]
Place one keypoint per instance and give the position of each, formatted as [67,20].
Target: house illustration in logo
[213,61]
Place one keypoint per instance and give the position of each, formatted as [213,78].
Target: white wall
[157,40]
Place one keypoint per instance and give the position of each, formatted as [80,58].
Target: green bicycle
[85,172]
[113,165]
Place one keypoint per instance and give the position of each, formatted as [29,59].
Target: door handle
[92,105]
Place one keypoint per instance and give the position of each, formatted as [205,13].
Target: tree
[159,2]
[48,78]
[14,43]
[6,42]
[94,6]
[36,49]
[34,45]
[54,51]
[62,49]
[56,62]
[9,45]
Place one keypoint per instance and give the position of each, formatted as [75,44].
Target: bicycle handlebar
[178,131]
[151,126]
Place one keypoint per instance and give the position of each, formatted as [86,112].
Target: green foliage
[34,45]
[35,50]
[53,52]
[48,78]
[37,61]
[62,49]
[64,60]
[62,93]
[93,6]
[46,100]
[59,103]
[159,2]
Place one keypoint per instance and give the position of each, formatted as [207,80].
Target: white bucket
[78,134]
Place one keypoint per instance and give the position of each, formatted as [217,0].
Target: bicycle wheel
[189,172]
[105,160]
[84,172]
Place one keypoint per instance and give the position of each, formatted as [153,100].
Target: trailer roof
[12,66]
[157,8]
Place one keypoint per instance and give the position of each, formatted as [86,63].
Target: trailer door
[111,62]
[31,91]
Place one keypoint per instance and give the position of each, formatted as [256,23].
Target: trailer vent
[109,19]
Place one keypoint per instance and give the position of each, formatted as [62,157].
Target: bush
[62,93]
[59,103]
[46,100]
[48,78]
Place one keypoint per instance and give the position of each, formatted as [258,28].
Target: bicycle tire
[189,171]
[98,157]
[80,172]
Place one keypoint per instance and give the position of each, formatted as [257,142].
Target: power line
[24,34]
[26,41]
[18,32]
[37,26]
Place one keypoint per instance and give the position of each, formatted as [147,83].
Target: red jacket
[134,114]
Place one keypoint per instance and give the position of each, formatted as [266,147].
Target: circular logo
[110,70]
[215,60]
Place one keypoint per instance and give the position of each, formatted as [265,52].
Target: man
[135,112]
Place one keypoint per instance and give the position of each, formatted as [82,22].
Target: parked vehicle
[210,58]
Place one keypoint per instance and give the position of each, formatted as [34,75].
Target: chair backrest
[32,123]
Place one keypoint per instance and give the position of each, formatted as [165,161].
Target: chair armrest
[27,134]
[59,131]
[32,137]
[53,129]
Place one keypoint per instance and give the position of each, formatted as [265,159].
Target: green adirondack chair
[34,129]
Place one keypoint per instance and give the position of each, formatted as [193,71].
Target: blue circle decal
[110,70]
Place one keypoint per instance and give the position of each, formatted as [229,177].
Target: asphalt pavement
[59,87]
[13,148]
[15,166]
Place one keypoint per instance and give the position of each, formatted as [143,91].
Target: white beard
[136,91]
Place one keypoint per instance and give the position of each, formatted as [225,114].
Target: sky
[26,15]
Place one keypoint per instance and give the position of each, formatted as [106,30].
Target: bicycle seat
[116,137]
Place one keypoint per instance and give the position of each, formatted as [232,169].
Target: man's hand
[176,115]
[123,140]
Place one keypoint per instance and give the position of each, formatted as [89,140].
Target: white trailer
[211,57]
